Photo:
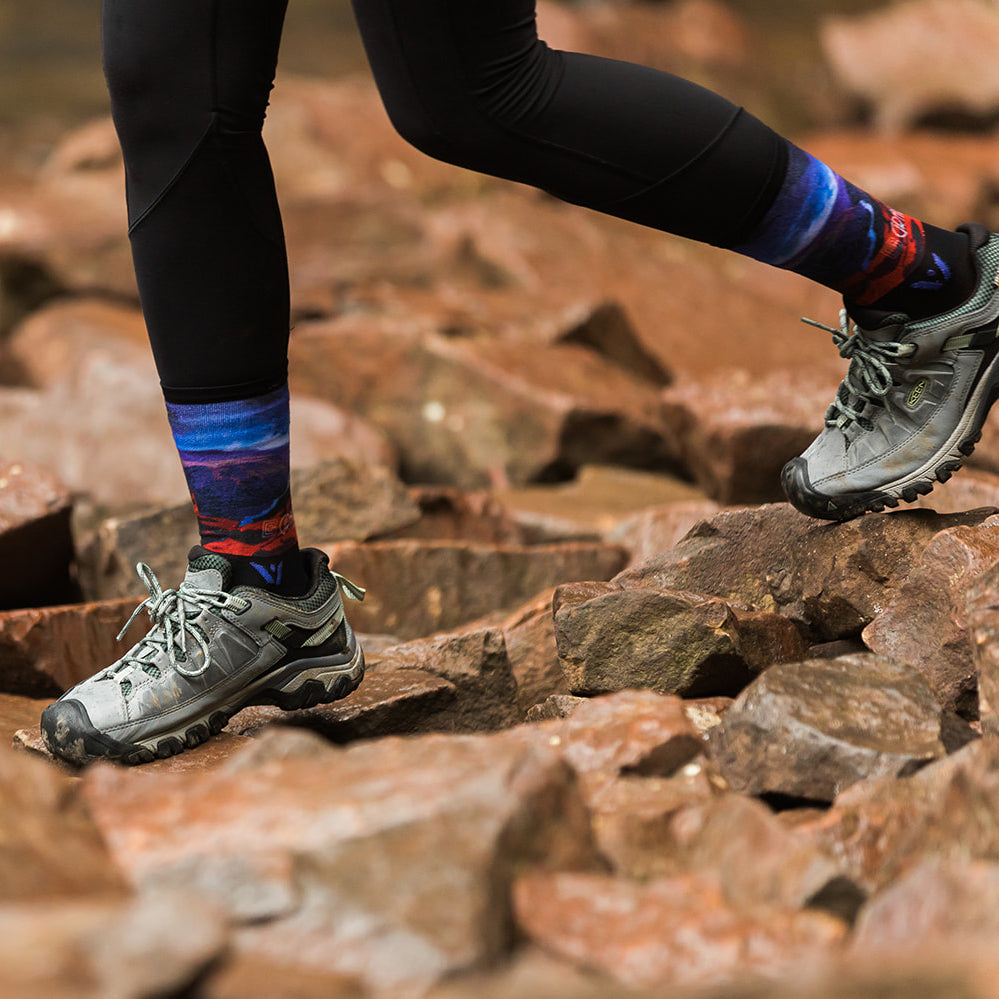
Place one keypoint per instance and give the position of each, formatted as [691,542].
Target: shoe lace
[868,379]
[170,611]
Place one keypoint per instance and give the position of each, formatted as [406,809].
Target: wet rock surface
[618,736]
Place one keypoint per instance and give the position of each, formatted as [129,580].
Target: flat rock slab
[926,624]
[670,931]
[391,860]
[811,729]
[599,501]
[36,546]
[45,650]
[612,638]
[832,580]
[417,588]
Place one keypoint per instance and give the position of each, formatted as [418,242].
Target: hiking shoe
[213,649]
[912,405]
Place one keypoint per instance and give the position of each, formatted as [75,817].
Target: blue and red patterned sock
[235,457]
[825,228]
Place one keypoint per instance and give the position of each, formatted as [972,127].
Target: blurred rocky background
[631,726]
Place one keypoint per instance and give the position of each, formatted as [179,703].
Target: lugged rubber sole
[69,734]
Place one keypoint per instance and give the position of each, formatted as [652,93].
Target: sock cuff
[233,425]
[187,395]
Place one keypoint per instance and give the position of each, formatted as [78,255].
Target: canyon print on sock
[236,458]
[827,229]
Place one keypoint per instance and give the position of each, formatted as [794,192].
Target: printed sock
[825,228]
[235,458]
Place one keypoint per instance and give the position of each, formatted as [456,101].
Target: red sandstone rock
[811,729]
[46,650]
[737,432]
[601,502]
[533,654]
[926,624]
[983,633]
[634,732]
[484,412]
[66,427]
[51,847]
[912,59]
[657,530]
[91,948]
[671,931]
[717,835]
[936,904]
[879,829]
[607,331]
[475,661]
[391,860]
[57,339]
[390,701]
[18,712]
[416,588]
[832,580]
[972,489]
[249,976]
[35,543]
[670,641]
[451,514]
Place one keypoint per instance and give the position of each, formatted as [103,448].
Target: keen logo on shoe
[916,393]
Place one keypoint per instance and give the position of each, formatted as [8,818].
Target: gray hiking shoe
[912,405]
[211,651]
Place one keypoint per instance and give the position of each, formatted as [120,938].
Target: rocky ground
[631,725]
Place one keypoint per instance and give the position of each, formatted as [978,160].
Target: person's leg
[189,83]
[472,84]
[255,621]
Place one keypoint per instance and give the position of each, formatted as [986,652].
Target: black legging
[467,81]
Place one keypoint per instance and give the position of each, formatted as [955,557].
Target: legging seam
[172,182]
[690,164]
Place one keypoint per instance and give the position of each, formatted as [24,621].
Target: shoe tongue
[877,324]
[208,570]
